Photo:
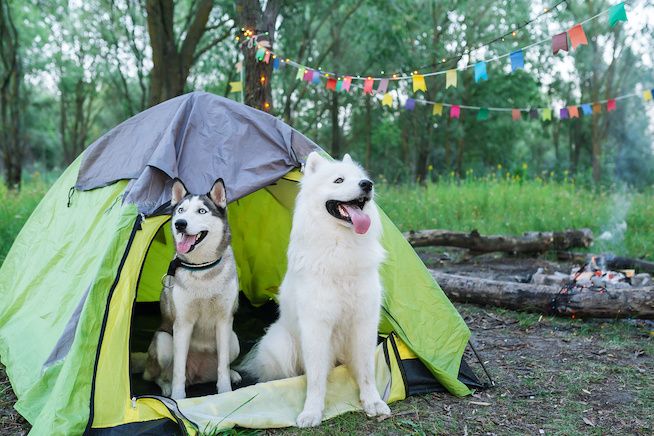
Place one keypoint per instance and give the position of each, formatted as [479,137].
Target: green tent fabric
[86,259]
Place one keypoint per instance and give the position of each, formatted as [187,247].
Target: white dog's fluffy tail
[275,357]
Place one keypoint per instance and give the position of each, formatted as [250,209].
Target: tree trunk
[258,92]
[529,242]
[11,77]
[172,61]
[618,303]
[336,128]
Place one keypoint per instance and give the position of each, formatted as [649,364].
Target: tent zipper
[172,407]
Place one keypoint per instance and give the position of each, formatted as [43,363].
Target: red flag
[577,36]
[367,85]
[559,42]
[610,105]
[331,84]
[266,58]
[515,114]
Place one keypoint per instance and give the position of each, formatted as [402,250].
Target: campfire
[593,276]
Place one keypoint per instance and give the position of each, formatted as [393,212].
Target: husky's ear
[179,192]
[314,160]
[347,158]
[218,194]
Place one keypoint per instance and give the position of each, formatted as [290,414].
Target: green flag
[482,114]
[617,13]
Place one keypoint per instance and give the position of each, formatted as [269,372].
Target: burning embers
[593,276]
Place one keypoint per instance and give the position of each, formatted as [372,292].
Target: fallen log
[612,262]
[618,303]
[530,242]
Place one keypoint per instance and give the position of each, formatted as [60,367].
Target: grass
[511,206]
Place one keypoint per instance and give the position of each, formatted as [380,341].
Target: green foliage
[508,204]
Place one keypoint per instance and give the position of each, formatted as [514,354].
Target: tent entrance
[250,322]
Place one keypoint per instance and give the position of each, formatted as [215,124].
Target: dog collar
[178,263]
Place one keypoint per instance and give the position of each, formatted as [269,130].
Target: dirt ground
[552,376]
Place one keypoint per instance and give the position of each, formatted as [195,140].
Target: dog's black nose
[180,225]
[366,185]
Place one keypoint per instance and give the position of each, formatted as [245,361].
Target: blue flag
[586,109]
[517,60]
[410,104]
[276,64]
[316,78]
[480,71]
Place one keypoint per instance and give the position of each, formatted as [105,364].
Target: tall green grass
[492,205]
[16,207]
[512,205]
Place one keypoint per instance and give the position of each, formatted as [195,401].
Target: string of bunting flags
[344,82]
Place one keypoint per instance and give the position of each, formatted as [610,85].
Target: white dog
[195,342]
[330,298]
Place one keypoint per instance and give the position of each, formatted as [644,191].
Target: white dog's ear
[314,160]
[218,194]
[347,158]
[179,192]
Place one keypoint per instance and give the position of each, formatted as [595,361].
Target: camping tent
[95,249]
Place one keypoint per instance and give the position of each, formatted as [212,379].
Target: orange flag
[573,111]
[515,114]
[577,36]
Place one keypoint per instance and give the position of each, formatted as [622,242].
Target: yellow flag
[235,87]
[419,83]
[546,114]
[387,100]
[450,78]
[438,109]
[647,95]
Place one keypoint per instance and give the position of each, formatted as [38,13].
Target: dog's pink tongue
[360,220]
[185,244]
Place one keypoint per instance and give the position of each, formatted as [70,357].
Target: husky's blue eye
[202,210]
[339,180]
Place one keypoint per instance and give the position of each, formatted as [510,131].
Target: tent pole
[490,379]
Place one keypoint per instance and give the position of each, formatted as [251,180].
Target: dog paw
[376,408]
[309,418]
[235,377]
[166,389]
[178,393]
[223,386]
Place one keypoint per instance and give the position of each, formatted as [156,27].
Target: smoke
[613,232]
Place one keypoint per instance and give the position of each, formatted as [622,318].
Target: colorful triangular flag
[610,105]
[451,78]
[617,13]
[516,115]
[367,85]
[235,86]
[419,83]
[586,109]
[547,114]
[266,58]
[383,86]
[331,83]
[455,111]
[647,95]
[308,76]
[573,111]
[533,113]
[480,71]
[563,113]
[300,74]
[560,42]
[410,104]
[347,81]
[577,36]
[437,109]
[517,60]
[260,53]
[275,63]
[597,108]
[482,114]
[387,100]
[316,77]
[339,85]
